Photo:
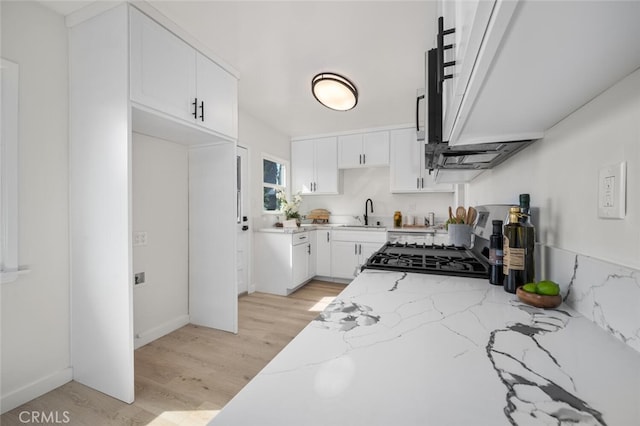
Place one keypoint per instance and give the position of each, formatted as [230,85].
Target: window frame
[284,187]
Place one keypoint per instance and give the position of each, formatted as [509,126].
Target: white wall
[35,308]
[374,183]
[160,208]
[561,174]
[260,139]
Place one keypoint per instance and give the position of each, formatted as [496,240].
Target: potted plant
[290,208]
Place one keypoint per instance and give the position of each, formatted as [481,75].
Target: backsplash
[606,293]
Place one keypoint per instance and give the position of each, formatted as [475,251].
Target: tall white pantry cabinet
[104,111]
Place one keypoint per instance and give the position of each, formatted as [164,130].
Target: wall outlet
[138,278]
[612,191]
[139,238]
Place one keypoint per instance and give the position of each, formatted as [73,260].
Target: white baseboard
[35,389]
[149,336]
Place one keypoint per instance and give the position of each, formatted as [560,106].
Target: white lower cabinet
[323,252]
[284,261]
[351,249]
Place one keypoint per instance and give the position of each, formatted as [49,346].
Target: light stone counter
[414,349]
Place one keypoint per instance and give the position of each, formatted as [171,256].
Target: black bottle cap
[497,226]
[524,200]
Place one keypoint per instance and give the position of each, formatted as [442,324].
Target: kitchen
[559,171]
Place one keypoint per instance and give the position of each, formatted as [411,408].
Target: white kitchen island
[414,349]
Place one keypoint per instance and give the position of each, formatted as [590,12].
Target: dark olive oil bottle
[519,237]
[496,275]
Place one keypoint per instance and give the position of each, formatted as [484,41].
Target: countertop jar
[397,219]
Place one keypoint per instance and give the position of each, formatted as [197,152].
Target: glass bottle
[525,209]
[397,219]
[496,275]
[518,248]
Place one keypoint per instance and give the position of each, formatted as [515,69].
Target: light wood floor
[186,377]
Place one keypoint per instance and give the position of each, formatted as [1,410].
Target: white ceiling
[278,46]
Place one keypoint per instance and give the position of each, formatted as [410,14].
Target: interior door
[242,200]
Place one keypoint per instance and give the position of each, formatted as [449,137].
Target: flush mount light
[334,91]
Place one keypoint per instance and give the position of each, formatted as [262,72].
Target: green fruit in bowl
[548,288]
[530,288]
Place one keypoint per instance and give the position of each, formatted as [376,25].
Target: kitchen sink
[363,227]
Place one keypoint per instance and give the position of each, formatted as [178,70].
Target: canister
[397,219]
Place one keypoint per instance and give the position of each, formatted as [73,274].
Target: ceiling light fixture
[334,91]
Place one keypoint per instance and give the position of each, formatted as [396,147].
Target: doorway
[243,240]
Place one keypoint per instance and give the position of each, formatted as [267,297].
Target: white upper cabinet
[163,68]
[217,94]
[407,168]
[523,66]
[314,166]
[172,77]
[363,150]
[470,19]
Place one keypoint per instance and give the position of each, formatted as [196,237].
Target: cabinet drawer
[300,238]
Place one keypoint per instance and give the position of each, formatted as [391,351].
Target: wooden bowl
[538,300]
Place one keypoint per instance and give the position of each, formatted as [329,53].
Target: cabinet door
[344,259]
[163,68]
[376,149]
[406,162]
[470,18]
[350,151]
[323,252]
[217,93]
[366,250]
[326,166]
[303,166]
[313,256]
[300,264]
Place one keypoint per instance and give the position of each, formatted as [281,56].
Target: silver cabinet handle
[327,236]
[364,158]
[417,183]
[355,246]
[422,183]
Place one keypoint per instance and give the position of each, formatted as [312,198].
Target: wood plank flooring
[187,376]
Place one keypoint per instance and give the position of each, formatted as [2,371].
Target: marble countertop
[310,227]
[417,349]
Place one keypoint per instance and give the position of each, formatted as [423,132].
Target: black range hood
[439,155]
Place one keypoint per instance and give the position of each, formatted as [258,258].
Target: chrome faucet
[366,216]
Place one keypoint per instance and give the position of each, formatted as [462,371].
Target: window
[274,178]
[9,172]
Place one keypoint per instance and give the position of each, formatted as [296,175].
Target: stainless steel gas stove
[443,259]
[428,259]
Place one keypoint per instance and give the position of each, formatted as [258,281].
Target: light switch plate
[612,191]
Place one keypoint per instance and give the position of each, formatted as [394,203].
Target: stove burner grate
[428,259]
